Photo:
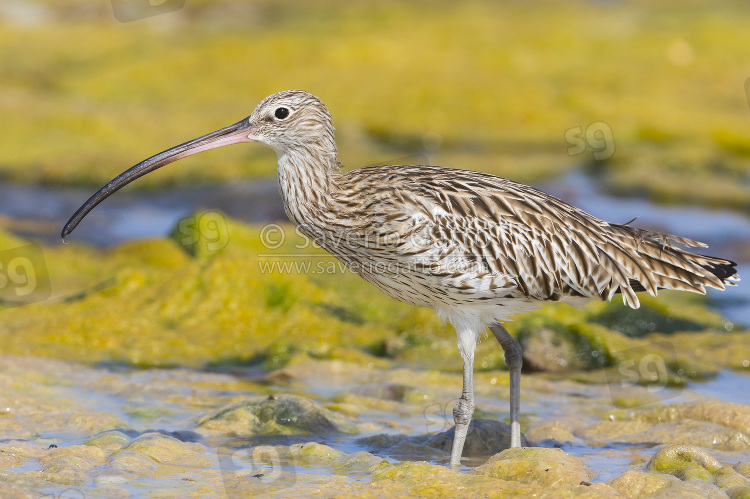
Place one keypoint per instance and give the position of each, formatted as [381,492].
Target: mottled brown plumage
[474,247]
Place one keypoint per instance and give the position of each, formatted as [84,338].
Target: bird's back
[427,235]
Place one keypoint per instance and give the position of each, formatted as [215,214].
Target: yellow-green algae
[632,484]
[151,303]
[494,86]
[536,465]
[688,462]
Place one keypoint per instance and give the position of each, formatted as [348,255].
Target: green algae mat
[263,296]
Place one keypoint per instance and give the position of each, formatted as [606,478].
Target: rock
[605,431]
[739,492]
[691,463]
[69,465]
[632,484]
[110,441]
[404,447]
[426,480]
[709,424]
[730,415]
[132,462]
[284,414]
[161,449]
[536,465]
[685,462]
[743,468]
[698,433]
[546,350]
[485,437]
[552,431]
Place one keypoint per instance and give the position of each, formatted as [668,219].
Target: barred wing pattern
[468,237]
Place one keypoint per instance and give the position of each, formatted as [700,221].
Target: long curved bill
[233,134]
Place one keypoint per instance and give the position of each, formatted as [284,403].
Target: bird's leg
[463,411]
[514,362]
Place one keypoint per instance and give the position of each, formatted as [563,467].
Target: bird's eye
[281,113]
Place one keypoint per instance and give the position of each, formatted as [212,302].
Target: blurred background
[627,109]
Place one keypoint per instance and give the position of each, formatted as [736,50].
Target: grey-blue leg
[514,362]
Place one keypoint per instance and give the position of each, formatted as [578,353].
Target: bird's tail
[654,261]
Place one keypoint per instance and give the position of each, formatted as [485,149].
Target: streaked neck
[306,176]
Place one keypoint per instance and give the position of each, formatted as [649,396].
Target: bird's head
[293,120]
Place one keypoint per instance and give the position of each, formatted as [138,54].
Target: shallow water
[171,401]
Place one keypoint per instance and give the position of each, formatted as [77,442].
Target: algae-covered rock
[698,433]
[710,424]
[426,480]
[132,462]
[110,440]
[551,345]
[691,463]
[743,468]
[685,462]
[605,431]
[547,350]
[538,466]
[69,465]
[284,414]
[315,453]
[632,484]
[161,449]
[730,415]
[557,431]
[738,492]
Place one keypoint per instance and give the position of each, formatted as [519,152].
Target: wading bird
[474,247]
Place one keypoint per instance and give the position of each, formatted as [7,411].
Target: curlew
[474,247]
